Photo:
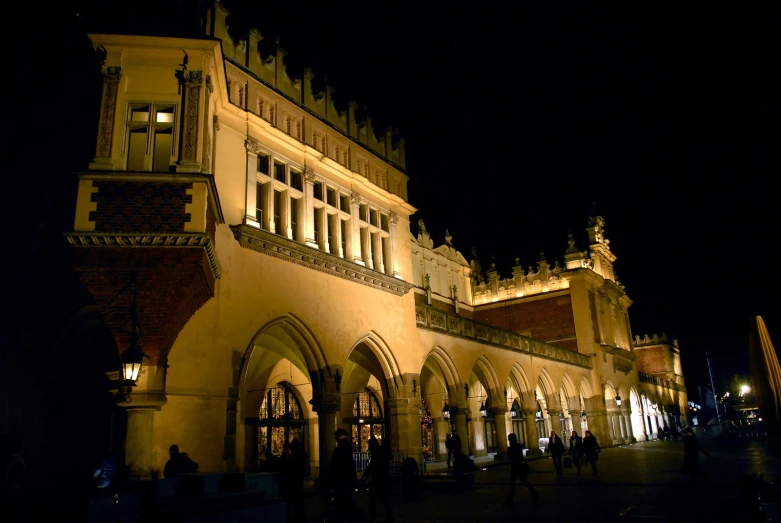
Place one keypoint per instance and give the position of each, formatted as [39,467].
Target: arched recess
[638,423]
[371,368]
[520,401]
[283,350]
[568,406]
[439,387]
[485,393]
[543,394]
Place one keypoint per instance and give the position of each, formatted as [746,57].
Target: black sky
[518,116]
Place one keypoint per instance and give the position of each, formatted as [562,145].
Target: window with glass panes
[375,238]
[150,136]
[280,420]
[366,421]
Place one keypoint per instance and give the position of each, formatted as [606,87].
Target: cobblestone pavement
[639,482]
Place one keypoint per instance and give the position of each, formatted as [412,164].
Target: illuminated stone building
[262,232]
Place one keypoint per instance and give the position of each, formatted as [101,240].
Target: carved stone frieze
[273,245]
[158,240]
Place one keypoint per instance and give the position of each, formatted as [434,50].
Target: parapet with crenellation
[266,60]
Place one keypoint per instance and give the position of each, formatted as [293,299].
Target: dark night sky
[518,116]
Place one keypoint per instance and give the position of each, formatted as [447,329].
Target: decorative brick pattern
[172,285]
[549,320]
[134,206]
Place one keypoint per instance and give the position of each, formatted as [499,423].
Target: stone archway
[442,388]
[487,410]
[282,351]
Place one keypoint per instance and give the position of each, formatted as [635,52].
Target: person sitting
[179,463]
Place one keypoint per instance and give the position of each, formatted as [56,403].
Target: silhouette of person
[691,454]
[556,449]
[378,471]
[342,474]
[519,469]
[295,487]
[179,463]
[591,449]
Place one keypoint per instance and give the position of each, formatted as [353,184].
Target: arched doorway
[366,420]
[280,420]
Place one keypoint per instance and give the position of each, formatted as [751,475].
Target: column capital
[309,175]
[393,218]
[498,411]
[111,73]
[326,405]
[251,146]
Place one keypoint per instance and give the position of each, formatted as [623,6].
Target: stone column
[355,229]
[404,412]
[250,214]
[108,109]
[532,441]
[192,82]
[327,408]
[598,422]
[145,398]
[500,418]
[392,221]
[459,420]
[308,212]
[630,434]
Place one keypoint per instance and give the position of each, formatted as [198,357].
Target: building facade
[263,236]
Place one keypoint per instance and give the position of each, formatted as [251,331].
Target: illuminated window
[366,420]
[280,420]
[151,137]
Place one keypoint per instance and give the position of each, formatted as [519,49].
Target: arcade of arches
[284,293]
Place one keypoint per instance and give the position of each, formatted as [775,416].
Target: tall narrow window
[150,144]
[279,172]
[363,212]
[331,196]
[260,204]
[294,218]
[343,231]
[278,212]
[295,180]
[331,235]
[263,164]
[318,191]
[319,227]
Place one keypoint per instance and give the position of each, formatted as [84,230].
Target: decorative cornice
[156,240]
[433,319]
[273,245]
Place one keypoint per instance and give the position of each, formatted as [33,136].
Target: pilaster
[250,216]
[309,211]
[108,109]
[192,83]
[355,226]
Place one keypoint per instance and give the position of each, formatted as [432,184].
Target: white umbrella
[766,375]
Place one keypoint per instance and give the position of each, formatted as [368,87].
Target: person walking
[556,449]
[591,449]
[691,454]
[576,450]
[179,463]
[377,472]
[455,446]
[342,475]
[519,469]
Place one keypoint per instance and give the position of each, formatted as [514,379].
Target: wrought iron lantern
[618,400]
[446,411]
[483,410]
